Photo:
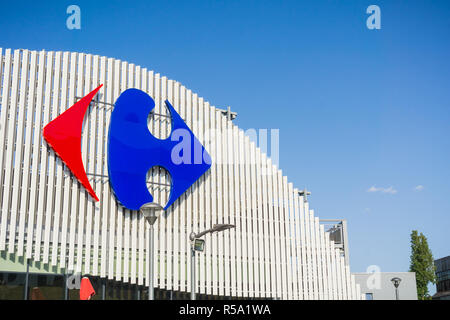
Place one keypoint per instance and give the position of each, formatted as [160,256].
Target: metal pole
[66,292]
[66,289]
[103,289]
[150,286]
[26,281]
[192,272]
[396,294]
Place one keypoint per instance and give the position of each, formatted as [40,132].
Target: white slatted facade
[277,250]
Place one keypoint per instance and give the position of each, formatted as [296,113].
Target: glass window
[12,286]
[45,287]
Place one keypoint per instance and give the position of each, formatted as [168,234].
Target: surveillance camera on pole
[304,193]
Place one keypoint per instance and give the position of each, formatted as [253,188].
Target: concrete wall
[380,285]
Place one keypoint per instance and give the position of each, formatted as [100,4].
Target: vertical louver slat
[97,152]
[92,140]
[59,192]
[243,215]
[112,92]
[107,205]
[121,86]
[318,258]
[304,252]
[189,198]
[292,257]
[271,228]
[238,212]
[53,188]
[127,214]
[134,214]
[212,204]
[6,70]
[285,276]
[167,93]
[232,167]
[182,229]
[92,167]
[141,220]
[298,246]
[217,216]
[338,273]
[8,162]
[174,95]
[19,171]
[83,194]
[308,249]
[285,228]
[78,193]
[151,92]
[226,205]
[74,90]
[161,222]
[269,272]
[344,278]
[253,218]
[323,262]
[24,197]
[247,219]
[259,221]
[275,203]
[43,215]
[334,272]
[65,104]
[201,200]
[195,188]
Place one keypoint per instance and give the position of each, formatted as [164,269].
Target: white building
[277,250]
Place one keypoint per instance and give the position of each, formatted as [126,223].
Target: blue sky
[356,108]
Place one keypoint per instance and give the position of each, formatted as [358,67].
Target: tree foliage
[422,264]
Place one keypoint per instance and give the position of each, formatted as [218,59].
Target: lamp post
[151,212]
[27,276]
[198,244]
[396,282]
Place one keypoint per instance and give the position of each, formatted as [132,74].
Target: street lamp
[151,212]
[396,282]
[198,244]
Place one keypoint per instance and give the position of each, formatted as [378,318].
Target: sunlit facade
[278,249]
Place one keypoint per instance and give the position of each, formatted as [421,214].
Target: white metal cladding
[277,250]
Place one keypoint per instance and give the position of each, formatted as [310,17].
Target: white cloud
[389,190]
[419,187]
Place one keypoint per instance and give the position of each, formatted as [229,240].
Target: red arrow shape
[63,134]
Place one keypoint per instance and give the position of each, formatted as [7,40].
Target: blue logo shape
[133,150]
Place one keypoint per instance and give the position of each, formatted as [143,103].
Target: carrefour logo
[132,149]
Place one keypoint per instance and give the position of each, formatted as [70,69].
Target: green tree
[422,264]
